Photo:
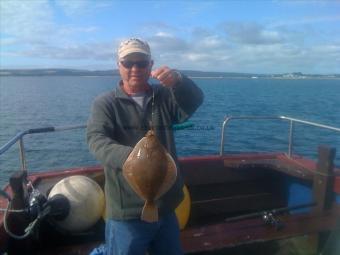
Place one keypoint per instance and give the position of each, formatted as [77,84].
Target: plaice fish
[150,171]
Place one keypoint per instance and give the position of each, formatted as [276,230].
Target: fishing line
[152,109]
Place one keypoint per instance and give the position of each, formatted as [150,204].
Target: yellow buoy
[183,209]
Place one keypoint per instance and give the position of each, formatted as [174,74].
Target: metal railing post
[290,138]
[222,135]
[292,122]
[22,154]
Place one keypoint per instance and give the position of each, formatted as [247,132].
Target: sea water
[33,102]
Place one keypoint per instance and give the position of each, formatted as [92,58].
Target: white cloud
[197,56]
[305,21]
[31,25]
[211,42]
[163,34]
[72,7]
[81,7]
[69,30]
[26,19]
[162,42]
[251,33]
[263,51]
[197,9]
[158,29]
[7,41]
[229,46]
[94,51]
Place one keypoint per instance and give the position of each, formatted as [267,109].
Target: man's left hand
[167,77]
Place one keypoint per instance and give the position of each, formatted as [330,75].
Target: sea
[43,101]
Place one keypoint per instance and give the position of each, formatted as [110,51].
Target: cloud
[71,8]
[7,41]
[30,29]
[208,49]
[201,7]
[261,50]
[166,42]
[26,19]
[81,7]
[86,51]
[149,29]
[34,22]
[71,30]
[251,33]
[305,21]
[211,42]
[199,32]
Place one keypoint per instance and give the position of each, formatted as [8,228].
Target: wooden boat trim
[226,235]
[223,235]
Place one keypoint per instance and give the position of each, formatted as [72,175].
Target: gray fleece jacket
[117,123]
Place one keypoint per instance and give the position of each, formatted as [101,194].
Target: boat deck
[222,187]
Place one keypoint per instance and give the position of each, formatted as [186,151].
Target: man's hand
[167,77]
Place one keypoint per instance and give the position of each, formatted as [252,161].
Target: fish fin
[170,177]
[149,212]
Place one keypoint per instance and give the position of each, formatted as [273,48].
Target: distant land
[190,73]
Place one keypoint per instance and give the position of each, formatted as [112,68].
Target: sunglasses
[140,64]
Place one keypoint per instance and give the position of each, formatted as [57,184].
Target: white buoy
[86,199]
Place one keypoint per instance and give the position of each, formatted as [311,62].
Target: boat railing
[291,121]
[19,137]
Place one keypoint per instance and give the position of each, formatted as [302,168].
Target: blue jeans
[136,237]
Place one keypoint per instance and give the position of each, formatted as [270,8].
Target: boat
[236,200]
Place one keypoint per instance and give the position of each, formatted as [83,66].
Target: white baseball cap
[133,45]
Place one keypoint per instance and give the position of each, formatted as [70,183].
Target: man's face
[135,70]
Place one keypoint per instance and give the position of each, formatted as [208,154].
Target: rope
[19,237]
[30,227]
[12,210]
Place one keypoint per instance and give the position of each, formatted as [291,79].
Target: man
[119,119]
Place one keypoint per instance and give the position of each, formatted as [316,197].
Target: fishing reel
[269,218]
[36,202]
[37,208]
[56,207]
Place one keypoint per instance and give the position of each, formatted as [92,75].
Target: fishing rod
[269,216]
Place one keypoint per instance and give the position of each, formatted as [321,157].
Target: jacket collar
[120,93]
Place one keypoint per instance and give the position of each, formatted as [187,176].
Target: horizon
[260,37]
[183,70]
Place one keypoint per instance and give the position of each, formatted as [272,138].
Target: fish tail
[149,212]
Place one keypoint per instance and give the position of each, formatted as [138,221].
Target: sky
[227,36]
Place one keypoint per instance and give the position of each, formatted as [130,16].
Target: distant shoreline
[191,77]
[263,78]
[190,73]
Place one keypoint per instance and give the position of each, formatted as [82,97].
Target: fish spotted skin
[151,172]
